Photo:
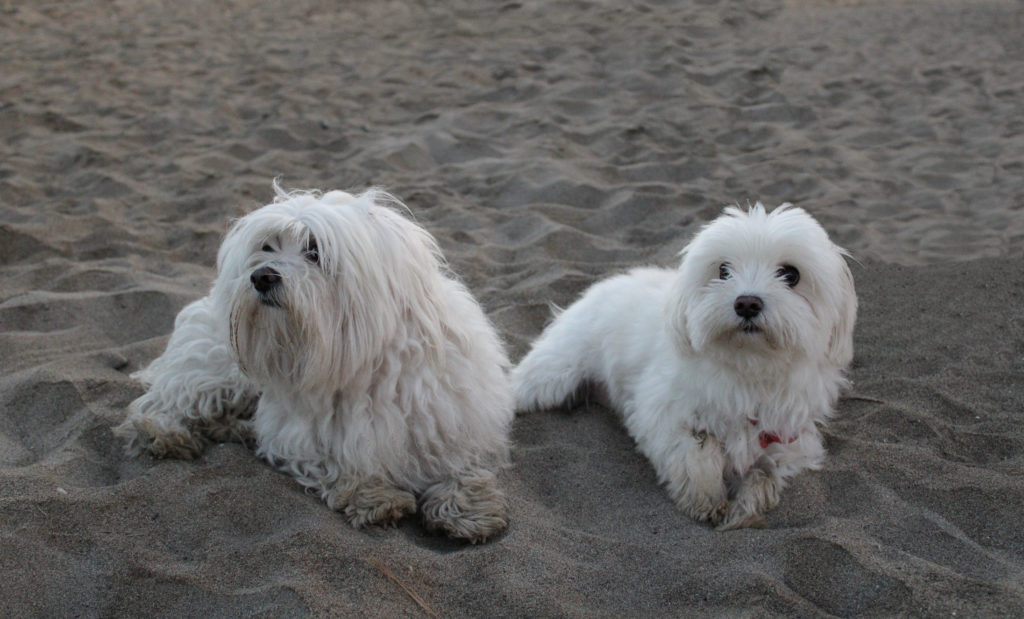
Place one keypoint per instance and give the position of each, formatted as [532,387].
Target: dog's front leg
[469,506]
[195,392]
[691,469]
[370,500]
[758,492]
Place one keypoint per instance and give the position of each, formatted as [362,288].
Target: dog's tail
[552,371]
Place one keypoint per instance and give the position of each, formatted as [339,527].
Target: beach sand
[545,144]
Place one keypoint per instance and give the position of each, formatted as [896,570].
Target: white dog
[722,369]
[376,378]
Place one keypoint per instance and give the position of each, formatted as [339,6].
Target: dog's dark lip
[749,327]
[269,302]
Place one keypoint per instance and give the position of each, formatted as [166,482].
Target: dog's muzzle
[748,307]
[266,281]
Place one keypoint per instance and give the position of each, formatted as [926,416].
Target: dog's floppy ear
[675,311]
[840,345]
[392,283]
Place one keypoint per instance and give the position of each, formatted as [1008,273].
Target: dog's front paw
[146,435]
[712,512]
[178,445]
[736,519]
[758,493]
[376,503]
[472,508]
[227,429]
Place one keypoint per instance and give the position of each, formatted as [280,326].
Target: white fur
[695,389]
[380,382]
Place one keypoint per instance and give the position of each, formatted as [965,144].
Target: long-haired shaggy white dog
[369,374]
[723,369]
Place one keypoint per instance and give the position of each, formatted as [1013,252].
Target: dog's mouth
[269,300]
[749,327]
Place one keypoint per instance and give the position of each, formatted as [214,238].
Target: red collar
[767,438]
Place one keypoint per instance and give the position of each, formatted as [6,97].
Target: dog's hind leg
[195,391]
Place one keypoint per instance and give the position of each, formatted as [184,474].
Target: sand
[545,144]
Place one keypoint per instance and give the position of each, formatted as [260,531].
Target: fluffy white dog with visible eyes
[723,369]
[334,338]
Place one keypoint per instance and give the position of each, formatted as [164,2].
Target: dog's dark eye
[724,271]
[313,254]
[789,274]
[267,247]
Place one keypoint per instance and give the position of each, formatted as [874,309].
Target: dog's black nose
[265,279]
[748,306]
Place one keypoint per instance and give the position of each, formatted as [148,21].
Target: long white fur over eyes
[334,339]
